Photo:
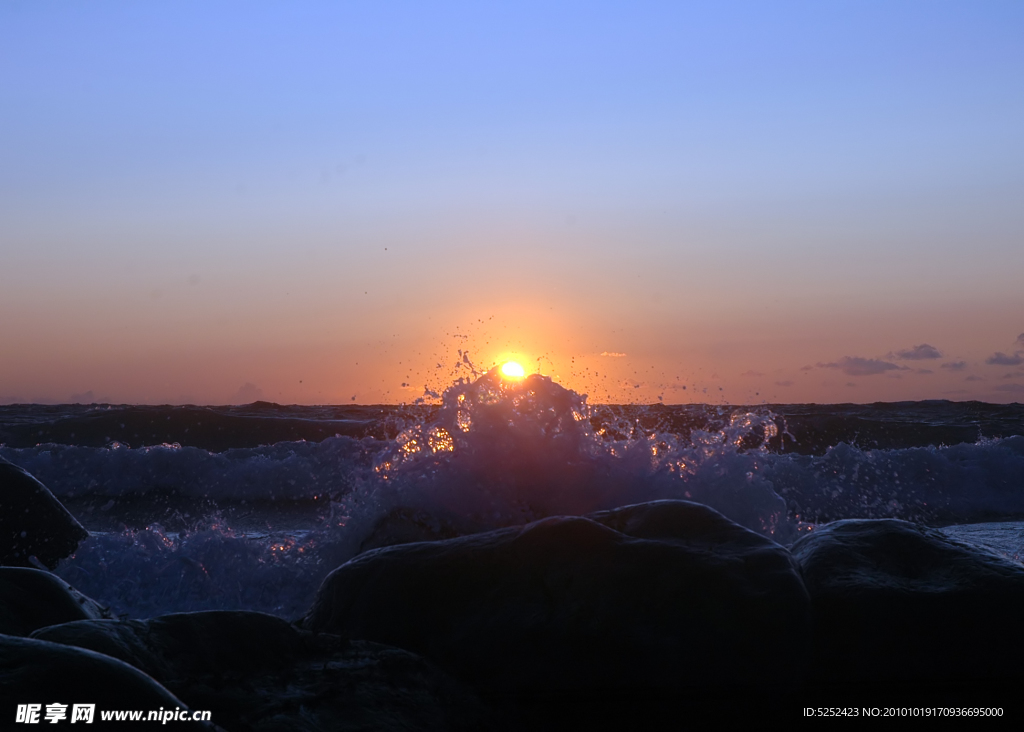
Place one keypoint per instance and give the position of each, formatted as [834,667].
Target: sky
[336,202]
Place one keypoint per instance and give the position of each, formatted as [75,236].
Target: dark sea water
[249,507]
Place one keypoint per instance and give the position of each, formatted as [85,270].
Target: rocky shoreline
[634,617]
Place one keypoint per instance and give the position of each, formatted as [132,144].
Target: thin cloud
[918,353]
[924,371]
[613,354]
[1015,388]
[751,372]
[807,368]
[1020,339]
[783,383]
[247,394]
[955,365]
[972,377]
[857,366]
[1001,359]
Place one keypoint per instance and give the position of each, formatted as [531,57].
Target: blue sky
[196,196]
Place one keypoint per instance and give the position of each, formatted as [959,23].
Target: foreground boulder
[258,672]
[31,599]
[668,597]
[32,522]
[895,602]
[406,526]
[37,672]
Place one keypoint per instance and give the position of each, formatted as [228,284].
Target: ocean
[250,507]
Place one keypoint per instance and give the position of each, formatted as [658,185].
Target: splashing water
[503,452]
[494,453]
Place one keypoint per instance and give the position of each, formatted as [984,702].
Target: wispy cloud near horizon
[917,353]
[857,366]
[247,394]
[1001,359]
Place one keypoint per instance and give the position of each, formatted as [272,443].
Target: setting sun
[512,370]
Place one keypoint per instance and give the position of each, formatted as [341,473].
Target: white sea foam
[287,470]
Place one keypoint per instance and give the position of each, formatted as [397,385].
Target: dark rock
[405,526]
[898,602]
[258,672]
[669,597]
[32,598]
[38,672]
[693,525]
[33,522]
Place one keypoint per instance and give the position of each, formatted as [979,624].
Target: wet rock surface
[258,672]
[407,526]
[34,671]
[32,599]
[676,599]
[896,602]
[639,617]
[32,522]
